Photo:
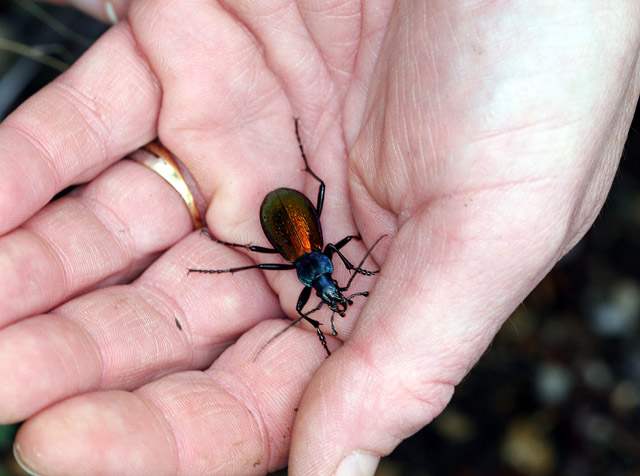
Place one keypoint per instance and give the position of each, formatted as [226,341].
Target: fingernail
[18,458]
[358,464]
[111,12]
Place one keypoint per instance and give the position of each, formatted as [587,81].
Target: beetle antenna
[290,325]
[306,317]
[334,332]
[366,255]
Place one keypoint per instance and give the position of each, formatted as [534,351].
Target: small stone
[597,375]
[527,449]
[455,426]
[620,314]
[553,383]
[625,397]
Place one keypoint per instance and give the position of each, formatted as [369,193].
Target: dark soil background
[558,392]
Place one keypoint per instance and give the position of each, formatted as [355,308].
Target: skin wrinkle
[255,45]
[145,63]
[316,48]
[152,295]
[534,278]
[111,377]
[502,185]
[45,157]
[365,360]
[358,83]
[533,125]
[167,428]
[256,412]
[385,199]
[463,234]
[258,108]
[55,253]
[80,365]
[58,253]
[419,384]
[429,404]
[88,338]
[115,226]
[463,191]
[259,48]
[455,43]
[259,45]
[316,58]
[406,212]
[140,69]
[503,132]
[344,70]
[415,92]
[84,107]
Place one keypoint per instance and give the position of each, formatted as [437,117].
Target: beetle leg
[350,302]
[320,200]
[323,341]
[269,266]
[331,248]
[334,332]
[274,337]
[302,299]
[366,255]
[328,251]
[257,249]
[316,324]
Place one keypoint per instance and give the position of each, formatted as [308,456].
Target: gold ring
[157,158]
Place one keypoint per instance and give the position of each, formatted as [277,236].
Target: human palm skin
[481,138]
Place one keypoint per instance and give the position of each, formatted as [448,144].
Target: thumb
[415,340]
[425,324]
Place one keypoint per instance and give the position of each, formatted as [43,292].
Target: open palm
[480,139]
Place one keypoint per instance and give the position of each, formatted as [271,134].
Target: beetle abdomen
[290,223]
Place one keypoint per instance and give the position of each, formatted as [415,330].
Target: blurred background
[557,393]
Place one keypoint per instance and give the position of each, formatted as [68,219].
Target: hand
[482,141]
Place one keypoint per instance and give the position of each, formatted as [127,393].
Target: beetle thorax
[311,266]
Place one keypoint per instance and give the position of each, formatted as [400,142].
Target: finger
[214,112]
[105,106]
[123,336]
[143,442]
[416,338]
[235,418]
[232,121]
[104,232]
[313,59]
[391,377]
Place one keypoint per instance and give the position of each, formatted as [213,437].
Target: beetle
[292,225]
